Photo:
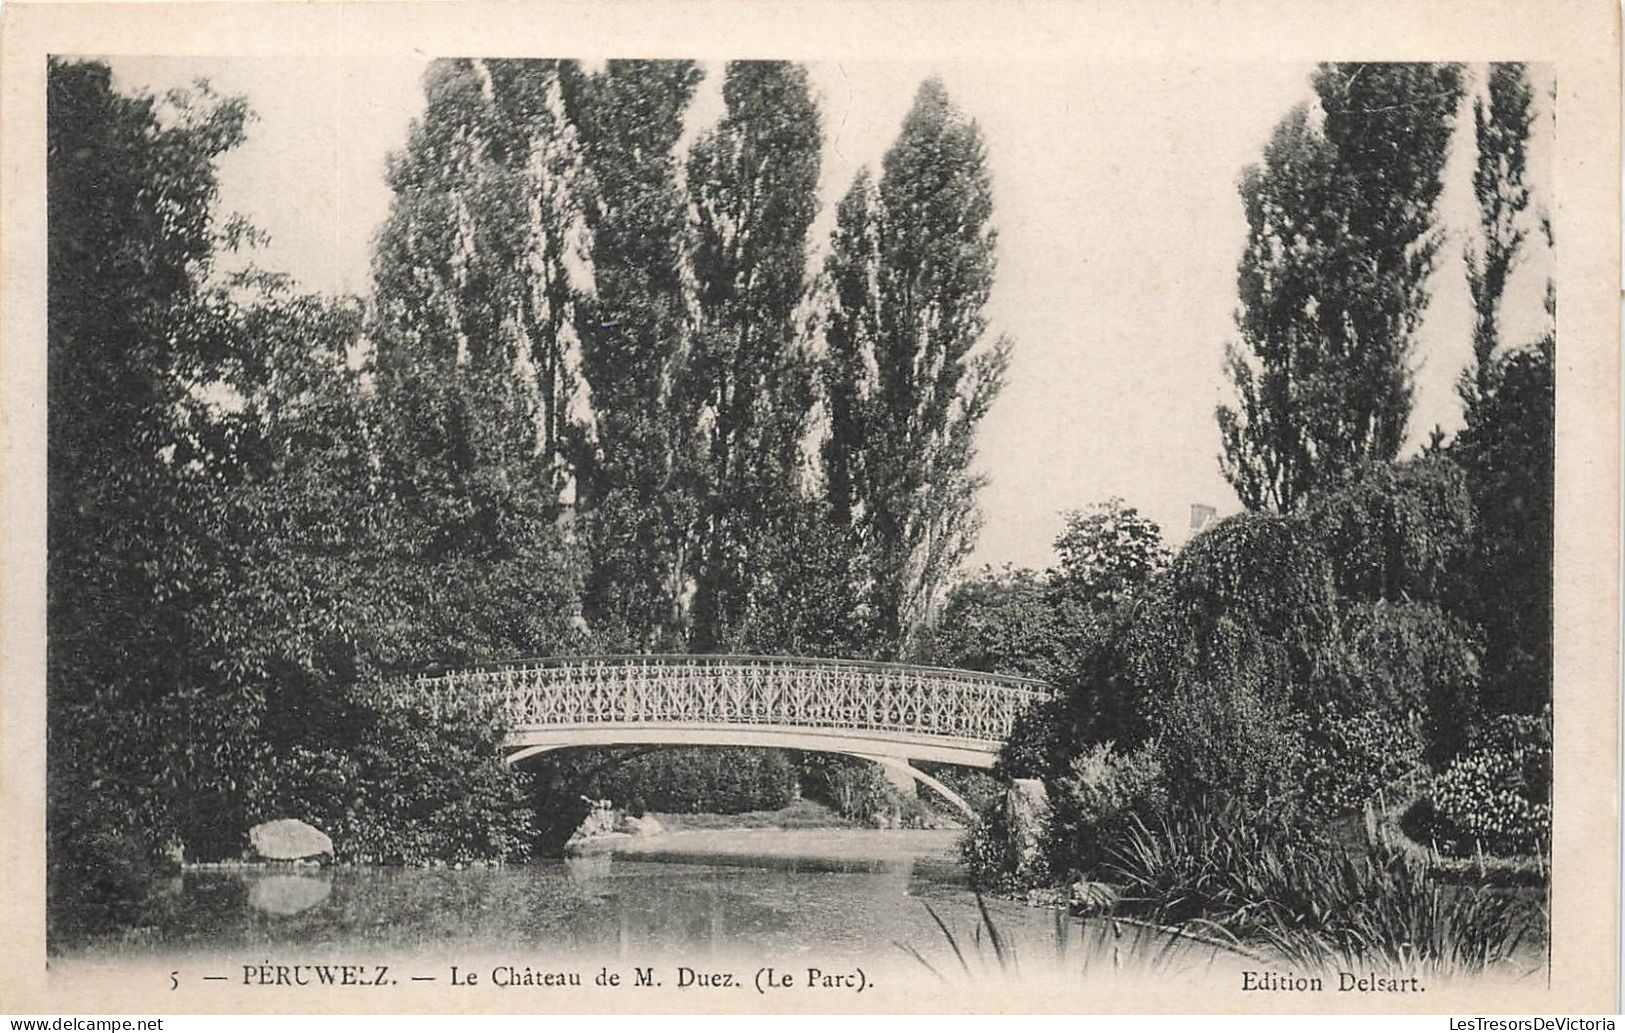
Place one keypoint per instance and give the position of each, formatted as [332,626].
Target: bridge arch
[893,714]
[899,770]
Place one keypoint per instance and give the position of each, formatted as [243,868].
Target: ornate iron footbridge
[889,713]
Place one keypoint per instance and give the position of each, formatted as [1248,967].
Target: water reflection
[819,895]
[288,894]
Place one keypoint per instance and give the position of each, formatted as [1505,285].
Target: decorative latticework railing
[708,691]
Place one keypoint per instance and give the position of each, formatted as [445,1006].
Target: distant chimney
[1201,515]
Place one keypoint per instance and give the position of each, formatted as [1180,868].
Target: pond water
[793,897]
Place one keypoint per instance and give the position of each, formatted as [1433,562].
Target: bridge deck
[842,705]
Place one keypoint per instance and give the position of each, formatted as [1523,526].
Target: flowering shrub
[1496,794]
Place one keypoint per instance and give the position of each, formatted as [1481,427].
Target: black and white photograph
[774,533]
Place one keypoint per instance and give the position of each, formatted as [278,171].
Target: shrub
[1495,796]
[101,867]
[415,789]
[1395,531]
[1225,725]
[1350,759]
[1417,665]
[1259,570]
[1038,745]
[1224,654]
[984,849]
[1000,621]
[859,790]
[1188,864]
[999,854]
[1102,789]
[692,780]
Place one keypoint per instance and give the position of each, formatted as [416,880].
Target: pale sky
[1119,230]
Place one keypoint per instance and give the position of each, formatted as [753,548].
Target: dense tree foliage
[1334,279]
[575,414]
[1509,453]
[911,268]
[1371,626]
[600,400]
[1501,124]
[1508,446]
[227,567]
[753,180]
[481,261]
[639,491]
[699,779]
[472,373]
[1070,626]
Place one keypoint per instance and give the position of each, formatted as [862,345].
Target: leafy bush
[426,788]
[1415,664]
[1228,654]
[1260,570]
[1396,531]
[101,865]
[1225,726]
[1350,759]
[998,620]
[1495,796]
[984,849]
[1102,789]
[1038,745]
[859,790]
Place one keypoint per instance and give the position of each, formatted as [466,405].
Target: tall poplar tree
[753,181]
[1501,124]
[1333,281]
[477,272]
[911,270]
[1507,445]
[485,253]
[637,492]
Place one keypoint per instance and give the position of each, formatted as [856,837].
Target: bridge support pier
[900,773]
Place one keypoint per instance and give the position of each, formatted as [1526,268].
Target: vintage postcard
[810,507]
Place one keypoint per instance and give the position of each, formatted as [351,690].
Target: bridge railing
[710,690]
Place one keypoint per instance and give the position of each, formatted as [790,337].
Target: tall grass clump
[1113,946]
[1316,905]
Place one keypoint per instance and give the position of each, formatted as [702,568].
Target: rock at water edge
[1026,805]
[647,825]
[288,839]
